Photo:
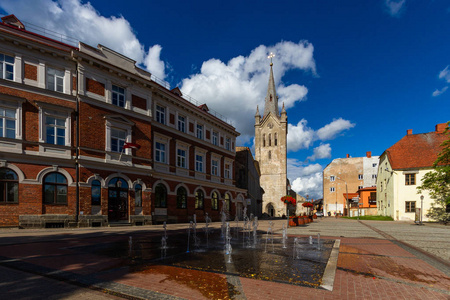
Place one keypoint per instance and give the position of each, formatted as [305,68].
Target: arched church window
[270,140]
[275,140]
[264,140]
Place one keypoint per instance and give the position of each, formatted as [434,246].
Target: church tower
[271,149]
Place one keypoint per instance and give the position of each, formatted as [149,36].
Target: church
[270,151]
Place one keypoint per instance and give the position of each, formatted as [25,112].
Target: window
[160,114]
[410,179]
[198,163]
[270,155]
[275,139]
[6,67]
[55,129]
[9,186]
[264,140]
[181,197]
[215,201]
[7,123]
[160,155]
[228,171]
[160,196]
[55,80]
[381,186]
[181,123]
[374,176]
[96,192]
[181,158]
[118,96]
[215,167]
[360,187]
[138,195]
[228,144]
[55,188]
[410,206]
[270,139]
[374,165]
[200,131]
[332,178]
[360,176]
[332,189]
[215,138]
[118,139]
[199,199]
[227,202]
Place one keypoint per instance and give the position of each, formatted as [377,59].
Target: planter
[292,223]
[301,221]
[314,216]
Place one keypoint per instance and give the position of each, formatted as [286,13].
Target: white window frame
[119,95]
[4,118]
[4,64]
[55,77]
[182,123]
[55,126]
[374,165]
[228,171]
[332,189]
[160,114]
[118,138]
[181,158]
[360,176]
[199,163]
[60,112]
[160,154]
[200,129]
[228,143]
[360,187]
[374,176]
[332,178]
[118,122]
[215,167]
[215,138]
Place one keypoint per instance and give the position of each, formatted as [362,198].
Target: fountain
[284,236]
[164,241]
[207,221]
[310,240]
[269,235]
[189,235]
[130,246]
[255,232]
[228,248]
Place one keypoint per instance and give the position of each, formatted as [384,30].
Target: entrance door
[270,210]
[117,200]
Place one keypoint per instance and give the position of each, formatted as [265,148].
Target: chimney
[409,132]
[369,154]
[440,128]
[348,155]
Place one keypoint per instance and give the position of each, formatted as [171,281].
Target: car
[319,213]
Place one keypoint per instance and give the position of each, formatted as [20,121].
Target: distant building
[402,167]
[247,176]
[270,151]
[347,175]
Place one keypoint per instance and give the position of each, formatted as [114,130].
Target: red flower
[307,204]
[288,199]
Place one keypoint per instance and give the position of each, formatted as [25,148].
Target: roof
[370,188]
[416,150]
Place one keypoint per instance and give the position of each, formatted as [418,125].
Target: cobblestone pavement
[377,260]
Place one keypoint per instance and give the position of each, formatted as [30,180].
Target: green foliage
[437,183]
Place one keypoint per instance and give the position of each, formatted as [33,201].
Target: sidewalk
[377,260]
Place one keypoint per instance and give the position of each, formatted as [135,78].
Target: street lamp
[421,209]
[346,191]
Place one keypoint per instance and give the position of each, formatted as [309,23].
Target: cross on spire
[271,55]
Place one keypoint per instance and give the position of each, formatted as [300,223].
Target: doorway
[117,200]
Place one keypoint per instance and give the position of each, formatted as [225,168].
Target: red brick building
[87,138]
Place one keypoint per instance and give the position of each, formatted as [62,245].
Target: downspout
[77,147]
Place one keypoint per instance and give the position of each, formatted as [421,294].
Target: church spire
[271,103]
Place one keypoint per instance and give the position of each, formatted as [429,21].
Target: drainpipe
[77,146]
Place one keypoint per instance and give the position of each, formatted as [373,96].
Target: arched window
[96,192]
[270,139]
[275,139]
[9,186]
[199,199]
[55,188]
[160,196]
[264,140]
[227,202]
[181,197]
[215,201]
[270,155]
[138,195]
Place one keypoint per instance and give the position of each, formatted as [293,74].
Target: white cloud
[332,130]
[439,92]
[82,21]
[305,179]
[299,136]
[322,151]
[394,7]
[445,74]
[236,87]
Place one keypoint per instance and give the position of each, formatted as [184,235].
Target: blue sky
[354,75]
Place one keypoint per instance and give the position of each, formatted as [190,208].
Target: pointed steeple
[271,104]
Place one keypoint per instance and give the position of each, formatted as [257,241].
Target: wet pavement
[376,260]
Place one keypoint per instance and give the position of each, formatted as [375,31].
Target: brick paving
[377,260]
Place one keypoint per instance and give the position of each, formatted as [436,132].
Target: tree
[437,183]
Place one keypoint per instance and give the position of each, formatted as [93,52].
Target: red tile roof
[416,150]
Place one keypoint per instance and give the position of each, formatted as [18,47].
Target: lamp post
[421,209]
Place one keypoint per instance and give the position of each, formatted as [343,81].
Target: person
[329,214]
